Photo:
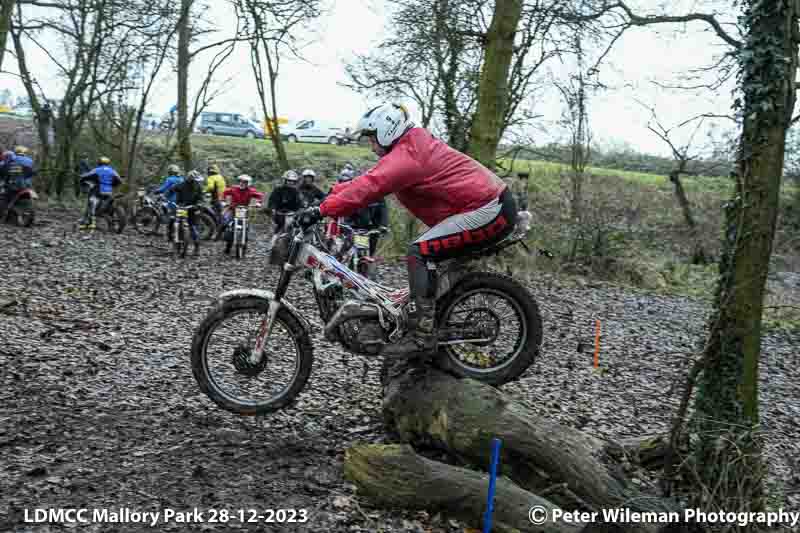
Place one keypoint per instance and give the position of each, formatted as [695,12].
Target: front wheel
[223,343]
[147,221]
[490,329]
[21,217]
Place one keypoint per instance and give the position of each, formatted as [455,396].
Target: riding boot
[421,337]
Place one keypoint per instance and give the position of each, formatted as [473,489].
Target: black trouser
[191,219]
[456,236]
[97,201]
[373,243]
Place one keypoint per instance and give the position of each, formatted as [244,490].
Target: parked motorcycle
[490,328]
[20,209]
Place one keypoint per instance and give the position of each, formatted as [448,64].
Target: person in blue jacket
[174,179]
[19,169]
[101,182]
[16,173]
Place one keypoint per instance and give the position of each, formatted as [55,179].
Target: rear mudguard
[267,296]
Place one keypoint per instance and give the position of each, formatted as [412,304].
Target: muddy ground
[99,408]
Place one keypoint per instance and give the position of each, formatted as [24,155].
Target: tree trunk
[6,10]
[428,408]
[184,36]
[699,256]
[42,127]
[493,87]
[727,456]
[280,150]
[394,476]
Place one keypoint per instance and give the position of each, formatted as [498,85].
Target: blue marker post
[487,518]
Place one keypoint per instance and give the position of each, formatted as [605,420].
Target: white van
[314,131]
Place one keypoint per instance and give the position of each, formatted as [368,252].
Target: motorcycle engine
[362,336]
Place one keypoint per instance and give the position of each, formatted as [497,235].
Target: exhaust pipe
[349,310]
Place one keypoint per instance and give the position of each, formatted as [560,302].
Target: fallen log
[394,476]
[576,471]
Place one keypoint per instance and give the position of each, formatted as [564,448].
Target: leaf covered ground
[99,408]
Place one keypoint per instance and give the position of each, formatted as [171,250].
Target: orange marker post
[596,343]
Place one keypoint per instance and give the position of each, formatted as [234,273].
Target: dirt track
[99,408]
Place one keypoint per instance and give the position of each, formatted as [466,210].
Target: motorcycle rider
[173,179]
[17,173]
[465,205]
[285,197]
[240,196]
[310,193]
[104,178]
[215,185]
[189,194]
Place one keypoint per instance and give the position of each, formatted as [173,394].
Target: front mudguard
[267,296]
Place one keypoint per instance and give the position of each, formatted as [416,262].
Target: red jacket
[429,178]
[242,196]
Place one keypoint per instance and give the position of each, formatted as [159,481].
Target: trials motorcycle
[19,210]
[252,353]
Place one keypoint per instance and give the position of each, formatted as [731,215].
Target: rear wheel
[222,344]
[502,318]
[334,141]
[250,135]
[147,221]
[21,217]
[291,139]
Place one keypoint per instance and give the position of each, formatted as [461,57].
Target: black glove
[308,217]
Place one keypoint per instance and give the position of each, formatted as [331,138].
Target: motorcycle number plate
[183,213]
[241,212]
[362,240]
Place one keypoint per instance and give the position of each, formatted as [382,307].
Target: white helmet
[309,172]
[290,175]
[245,178]
[346,175]
[387,122]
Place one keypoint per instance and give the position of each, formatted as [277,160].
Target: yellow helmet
[103,161]
[20,150]
[213,169]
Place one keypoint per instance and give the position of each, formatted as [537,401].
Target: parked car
[315,131]
[234,124]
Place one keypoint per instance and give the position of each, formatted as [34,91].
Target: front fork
[275,304]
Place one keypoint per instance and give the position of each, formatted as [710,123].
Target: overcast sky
[310,89]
